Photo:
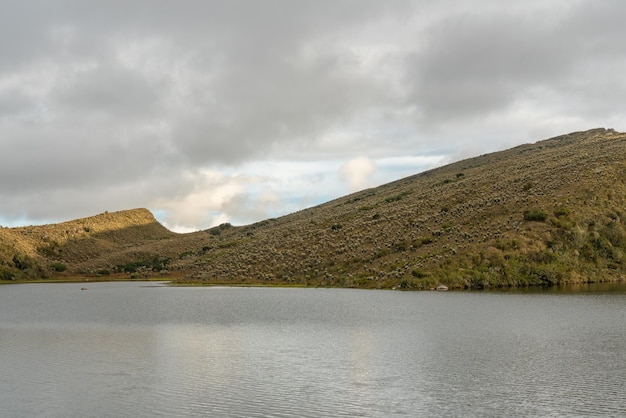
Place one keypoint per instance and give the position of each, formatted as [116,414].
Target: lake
[146,349]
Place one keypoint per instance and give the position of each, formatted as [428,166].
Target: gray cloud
[476,64]
[111,104]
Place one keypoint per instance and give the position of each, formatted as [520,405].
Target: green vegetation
[535,215]
[50,248]
[219,229]
[58,267]
[155,264]
[27,267]
[7,273]
[397,197]
[561,212]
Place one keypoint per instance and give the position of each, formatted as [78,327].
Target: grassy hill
[101,244]
[547,213]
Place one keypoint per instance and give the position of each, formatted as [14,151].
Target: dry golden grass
[538,214]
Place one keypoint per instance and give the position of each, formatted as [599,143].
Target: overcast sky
[235,111]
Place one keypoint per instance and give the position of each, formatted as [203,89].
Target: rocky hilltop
[547,213]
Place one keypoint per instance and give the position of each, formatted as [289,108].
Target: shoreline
[172,281]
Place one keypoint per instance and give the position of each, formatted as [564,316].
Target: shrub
[159,263]
[393,198]
[543,275]
[561,211]
[23,261]
[507,245]
[562,223]
[156,264]
[50,249]
[400,246]
[29,267]
[217,230]
[58,267]
[407,285]
[535,215]
[419,274]
[6,274]
[425,240]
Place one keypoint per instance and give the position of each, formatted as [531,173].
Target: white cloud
[203,205]
[357,172]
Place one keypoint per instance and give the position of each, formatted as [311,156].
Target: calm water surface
[140,349]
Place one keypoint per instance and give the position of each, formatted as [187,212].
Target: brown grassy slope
[76,242]
[463,225]
[538,214]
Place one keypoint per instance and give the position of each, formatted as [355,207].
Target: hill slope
[36,251]
[538,214]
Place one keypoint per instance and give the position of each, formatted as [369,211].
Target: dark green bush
[7,274]
[58,267]
[222,227]
[23,261]
[156,264]
[407,285]
[419,274]
[535,215]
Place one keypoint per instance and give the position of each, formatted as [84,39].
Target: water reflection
[126,350]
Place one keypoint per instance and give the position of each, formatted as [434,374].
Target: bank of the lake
[176,281]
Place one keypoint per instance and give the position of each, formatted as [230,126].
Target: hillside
[40,251]
[538,214]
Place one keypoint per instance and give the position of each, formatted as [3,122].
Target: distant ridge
[547,213]
[29,251]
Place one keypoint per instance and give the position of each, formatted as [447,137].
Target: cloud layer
[240,110]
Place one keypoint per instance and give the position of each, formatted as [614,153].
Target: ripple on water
[309,353]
